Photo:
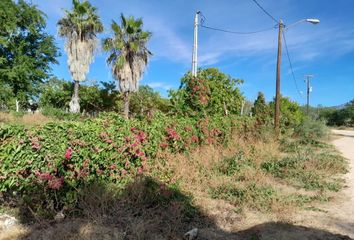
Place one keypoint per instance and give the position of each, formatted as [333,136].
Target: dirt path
[339,214]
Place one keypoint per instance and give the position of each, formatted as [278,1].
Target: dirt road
[339,214]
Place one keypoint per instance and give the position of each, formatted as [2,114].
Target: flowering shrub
[56,160]
[210,93]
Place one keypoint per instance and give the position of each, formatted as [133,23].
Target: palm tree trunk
[126,105]
[75,100]
[17,106]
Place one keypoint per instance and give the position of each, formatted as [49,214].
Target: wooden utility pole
[308,78]
[195,46]
[277,88]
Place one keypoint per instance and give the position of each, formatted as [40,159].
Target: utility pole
[277,88]
[195,46]
[309,89]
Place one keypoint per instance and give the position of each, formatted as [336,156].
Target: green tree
[79,27]
[56,93]
[291,114]
[26,50]
[128,55]
[260,109]
[146,101]
[338,116]
[211,93]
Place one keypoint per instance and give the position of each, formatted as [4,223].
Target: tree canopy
[26,50]
[211,92]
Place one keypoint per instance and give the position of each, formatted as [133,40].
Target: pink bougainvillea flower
[172,134]
[163,145]
[68,153]
[103,135]
[113,167]
[44,176]
[140,170]
[127,164]
[56,183]
[194,139]
[36,146]
[139,153]
[134,145]
[140,137]
[124,172]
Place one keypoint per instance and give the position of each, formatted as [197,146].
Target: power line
[203,19]
[291,66]
[235,32]
[265,11]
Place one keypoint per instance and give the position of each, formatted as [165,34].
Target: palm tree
[128,55]
[79,27]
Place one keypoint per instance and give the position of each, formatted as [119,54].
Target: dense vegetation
[51,163]
[338,117]
[204,143]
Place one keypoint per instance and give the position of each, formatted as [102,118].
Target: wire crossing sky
[325,50]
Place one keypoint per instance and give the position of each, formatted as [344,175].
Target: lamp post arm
[294,24]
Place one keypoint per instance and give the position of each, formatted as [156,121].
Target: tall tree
[26,50]
[128,55]
[80,27]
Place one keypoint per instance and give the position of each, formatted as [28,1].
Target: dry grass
[232,197]
[197,174]
[27,119]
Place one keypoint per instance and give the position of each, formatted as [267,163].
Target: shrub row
[45,166]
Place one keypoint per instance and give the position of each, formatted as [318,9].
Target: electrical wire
[265,11]
[291,66]
[234,32]
[203,20]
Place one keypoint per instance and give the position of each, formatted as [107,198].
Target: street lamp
[309,20]
[281,26]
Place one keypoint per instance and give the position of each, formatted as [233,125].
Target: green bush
[291,114]
[44,166]
[311,130]
[60,114]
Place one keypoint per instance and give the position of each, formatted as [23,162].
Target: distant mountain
[339,106]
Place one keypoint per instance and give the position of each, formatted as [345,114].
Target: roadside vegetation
[136,165]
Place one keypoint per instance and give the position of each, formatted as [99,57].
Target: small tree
[80,27]
[128,55]
[260,109]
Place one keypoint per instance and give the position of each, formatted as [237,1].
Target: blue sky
[325,50]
